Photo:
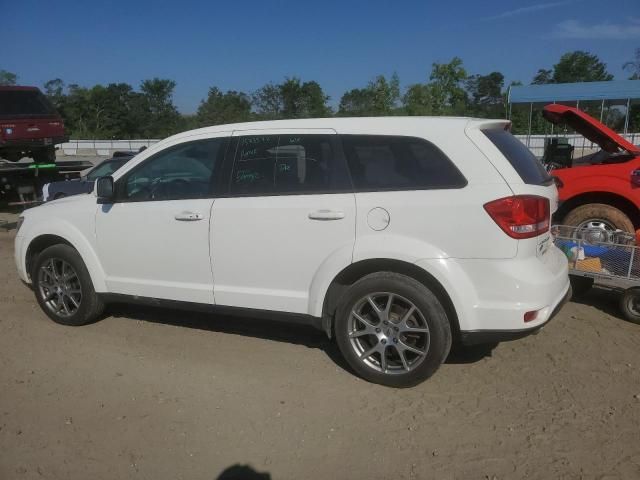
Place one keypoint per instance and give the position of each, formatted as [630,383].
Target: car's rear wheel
[392,330]
[63,287]
[596,222]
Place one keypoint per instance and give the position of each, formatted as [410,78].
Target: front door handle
[189,216]
[326,215]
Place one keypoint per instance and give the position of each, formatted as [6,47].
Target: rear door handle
[189,216]
[326,215]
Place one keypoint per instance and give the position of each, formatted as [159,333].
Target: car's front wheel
[392,330]
[63,287]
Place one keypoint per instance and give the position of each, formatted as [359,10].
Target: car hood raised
[588,127]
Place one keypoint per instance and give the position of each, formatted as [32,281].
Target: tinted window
[105,168]
[183,171]
[520,157]
[395,162]
[17,103]
[275,164]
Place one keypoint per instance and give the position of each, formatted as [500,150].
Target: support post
[602,111]
[626,117]
[529,132]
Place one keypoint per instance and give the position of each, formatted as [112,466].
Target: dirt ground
[157,394]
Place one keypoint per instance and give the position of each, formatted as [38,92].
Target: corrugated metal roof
[567,92]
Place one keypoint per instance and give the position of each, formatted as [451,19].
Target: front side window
[179,172]
[105,168]
[282,164]
[385,162]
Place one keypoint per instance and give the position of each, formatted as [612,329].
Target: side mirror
[105,190]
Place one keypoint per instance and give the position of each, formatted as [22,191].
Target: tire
[599,212]
[580,285]
[425,330]
[630,305]
[68,297]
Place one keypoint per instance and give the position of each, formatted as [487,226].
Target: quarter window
[180,172]
[277,164]
[381,162]
[520,157]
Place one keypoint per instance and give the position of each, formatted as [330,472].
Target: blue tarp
[568,92]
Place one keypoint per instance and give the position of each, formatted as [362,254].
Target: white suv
[395,235]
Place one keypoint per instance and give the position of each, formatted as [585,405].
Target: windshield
[24,103]
[105,168]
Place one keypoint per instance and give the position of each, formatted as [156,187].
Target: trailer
[607,259]
[21,183]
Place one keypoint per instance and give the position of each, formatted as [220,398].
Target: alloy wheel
[388,333]
[59,287]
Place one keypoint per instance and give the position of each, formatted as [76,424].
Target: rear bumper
[492,296]
[495,336]
[26,143]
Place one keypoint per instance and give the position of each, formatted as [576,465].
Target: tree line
[117,110]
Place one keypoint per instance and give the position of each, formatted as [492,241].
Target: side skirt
[286,317]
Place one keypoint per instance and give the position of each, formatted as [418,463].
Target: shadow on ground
[267,329]
[605,300]
[242,472]
[602,299]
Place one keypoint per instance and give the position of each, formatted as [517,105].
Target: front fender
[74,236]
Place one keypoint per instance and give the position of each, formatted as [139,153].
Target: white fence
[102,148]
[105,148]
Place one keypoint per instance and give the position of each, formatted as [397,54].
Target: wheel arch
[44,240]
[609,198]
[360,269]
[38,244]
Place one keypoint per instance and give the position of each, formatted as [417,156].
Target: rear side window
[283,164]
[520,157]
[384,162]
[24,103]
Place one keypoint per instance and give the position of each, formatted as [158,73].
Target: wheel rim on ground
[596,230]
[59,287]
[388,333]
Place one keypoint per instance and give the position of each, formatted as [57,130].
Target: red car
[600,190]
[29,125]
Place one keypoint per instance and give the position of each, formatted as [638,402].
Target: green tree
[267,102]
[543,76]
[160,116]
[633,66]
[291,99]
[417,100]
[380,97]
[303,100]
[485,94]
[578,66]
[220,108]
[8,78]
[449,96]
[54,89]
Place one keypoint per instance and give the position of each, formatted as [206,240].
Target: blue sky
[242,44]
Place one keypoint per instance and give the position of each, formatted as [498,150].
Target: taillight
[521,216]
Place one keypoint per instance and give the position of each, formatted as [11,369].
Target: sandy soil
[158,394]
